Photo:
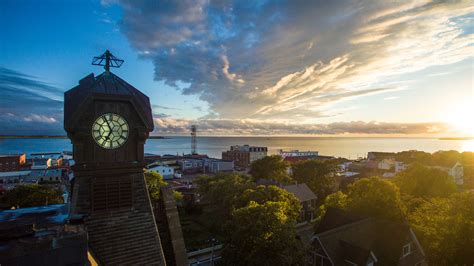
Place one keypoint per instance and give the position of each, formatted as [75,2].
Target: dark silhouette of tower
[108,122]
[193,140]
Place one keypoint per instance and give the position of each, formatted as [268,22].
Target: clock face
[110,131]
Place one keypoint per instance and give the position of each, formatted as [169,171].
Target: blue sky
[253,68]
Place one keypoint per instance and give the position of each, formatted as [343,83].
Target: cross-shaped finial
[107,60]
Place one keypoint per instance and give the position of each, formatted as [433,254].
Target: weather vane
[107,60]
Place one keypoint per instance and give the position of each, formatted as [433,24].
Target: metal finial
[107,60]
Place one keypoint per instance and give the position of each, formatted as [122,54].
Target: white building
[166,171]
[297,153]
[386,164]
[457,172]
[400,167]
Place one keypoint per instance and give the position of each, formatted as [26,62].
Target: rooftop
[301,191]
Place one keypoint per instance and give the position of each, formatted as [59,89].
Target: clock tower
[108,122]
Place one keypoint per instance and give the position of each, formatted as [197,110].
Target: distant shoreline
[466,138]
[59,137]
[33,137]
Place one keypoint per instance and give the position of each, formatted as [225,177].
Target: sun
[460,117]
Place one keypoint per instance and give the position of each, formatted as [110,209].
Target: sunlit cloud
[173,126]
[282,60]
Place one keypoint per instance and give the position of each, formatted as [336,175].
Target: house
[377,156]
[386,164]
[9,180]
[47,175]
[164,170]
[41,163]
[343,238]
[12,162]
[44,235]
[400,167]
[457,172]
[191,165]
[216,165]
[307,199]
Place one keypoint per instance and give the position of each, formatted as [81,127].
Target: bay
[350,148]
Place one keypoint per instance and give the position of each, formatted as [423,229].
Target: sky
[332,68]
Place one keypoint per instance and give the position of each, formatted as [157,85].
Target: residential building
[12,162]
[377,156]
[191,165]
[44,235]
[386,164]
[400,167]
[297,153]
[9,180]
[41,163]
[47,175]
[457,172]
[244,155]
[307,199]
[212,165]
[164,170]
[342,238]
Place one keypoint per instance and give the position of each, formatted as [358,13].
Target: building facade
[166,171]
[244,155]
[12,162]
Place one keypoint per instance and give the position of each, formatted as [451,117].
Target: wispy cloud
[255,127]
[287,59]
[29,105]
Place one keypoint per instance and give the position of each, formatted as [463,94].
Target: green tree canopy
[221,190]
[317,175]
[33,195]
[335,200]
[262,194]
[375,197]
[262,234]
[445,228]
[421,181]
[270,167]
[154,182]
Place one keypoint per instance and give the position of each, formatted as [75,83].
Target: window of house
[406,249]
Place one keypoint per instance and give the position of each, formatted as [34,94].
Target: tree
[270,167]
[221,190]
[262,234]
[375,197]
[335,200]
[33,195]
[262,194]
[154,182]
[317,175]
[445,228]
[420,181]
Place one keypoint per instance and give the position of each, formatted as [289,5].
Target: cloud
[29,106]
[170,126]
[285,59]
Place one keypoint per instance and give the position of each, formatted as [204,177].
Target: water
[213,146]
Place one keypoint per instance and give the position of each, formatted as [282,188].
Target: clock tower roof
[106,85]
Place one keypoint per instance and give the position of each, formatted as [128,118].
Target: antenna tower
[193,140]
[107,60]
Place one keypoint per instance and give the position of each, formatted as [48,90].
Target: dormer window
[407,249]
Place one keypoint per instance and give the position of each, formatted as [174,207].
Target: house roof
[335,217]
[357,240]
[301,191]
[106,83]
